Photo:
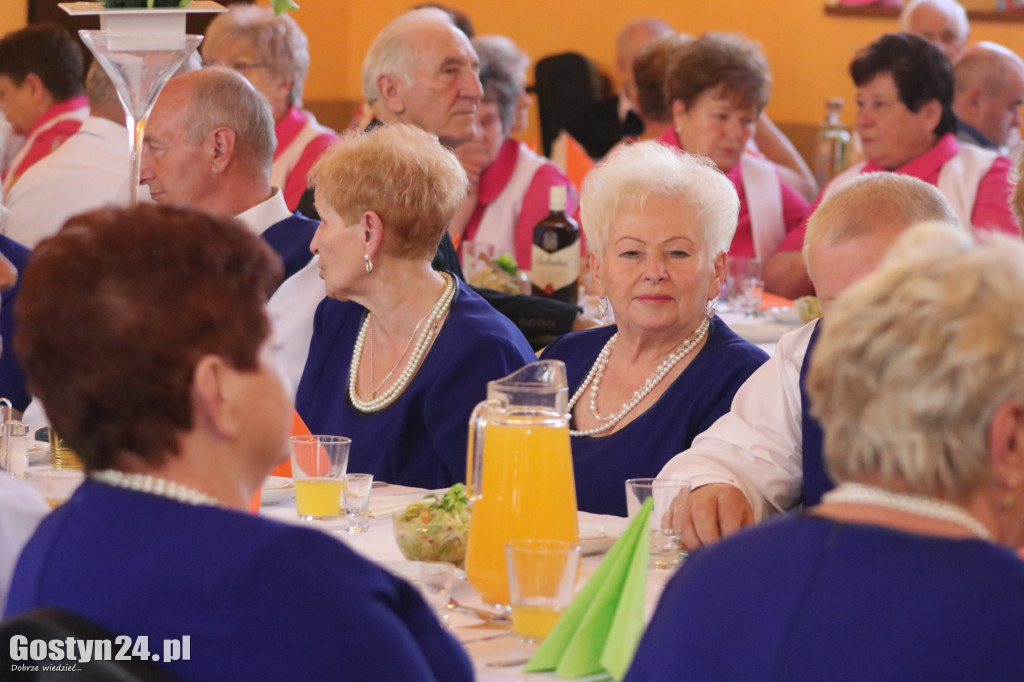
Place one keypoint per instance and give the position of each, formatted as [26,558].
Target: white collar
[266,213]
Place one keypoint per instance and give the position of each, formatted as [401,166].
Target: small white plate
[595,538]
[277,489]
[787,315]
[39,454]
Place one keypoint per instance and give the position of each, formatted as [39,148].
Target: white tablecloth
[485,643]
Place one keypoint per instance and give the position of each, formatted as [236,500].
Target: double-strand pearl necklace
[423,341]
[916,505]
[593,379]
[153,485]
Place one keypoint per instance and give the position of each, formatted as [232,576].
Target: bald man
[764,455]
[988,95]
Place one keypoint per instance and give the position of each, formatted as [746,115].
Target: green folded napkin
[600,630]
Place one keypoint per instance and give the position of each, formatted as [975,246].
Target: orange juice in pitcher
[519,472]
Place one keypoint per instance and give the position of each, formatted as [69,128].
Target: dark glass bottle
[555,256]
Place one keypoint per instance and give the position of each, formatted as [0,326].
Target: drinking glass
[356,491]
[744,286]
[541,577]
[436,581]
[318,463]
[666,544]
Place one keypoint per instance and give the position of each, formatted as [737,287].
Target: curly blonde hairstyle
[404,175]
[915,358]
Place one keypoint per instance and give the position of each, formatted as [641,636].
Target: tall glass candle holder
[140,49]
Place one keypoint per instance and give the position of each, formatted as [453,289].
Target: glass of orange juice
[541,577]
[318,463]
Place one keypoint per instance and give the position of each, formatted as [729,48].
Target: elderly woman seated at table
[906,124]
[659,222]
[907,570]
[400,353]
[272,52]
[509,185]
[178,420]
[717,87]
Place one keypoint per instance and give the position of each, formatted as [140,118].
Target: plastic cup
[541,577]
[318,463]
[666,545]
[356,492]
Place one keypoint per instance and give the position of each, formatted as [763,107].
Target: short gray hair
[950,7]
[872,201]
[633,173]
[391,51]
[222,97]
[915,358]
[277,38]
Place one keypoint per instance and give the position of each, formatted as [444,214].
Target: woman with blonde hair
[400,353]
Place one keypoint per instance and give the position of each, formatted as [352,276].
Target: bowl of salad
[435,528]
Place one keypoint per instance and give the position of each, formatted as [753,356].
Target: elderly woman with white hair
[907,570]
[659,223]
[272,52]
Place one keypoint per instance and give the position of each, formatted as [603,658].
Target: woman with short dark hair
[145,334]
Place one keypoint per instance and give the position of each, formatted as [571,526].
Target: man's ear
[222,148]
[390,89]
[215,394]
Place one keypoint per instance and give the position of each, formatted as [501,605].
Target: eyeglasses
[240,67]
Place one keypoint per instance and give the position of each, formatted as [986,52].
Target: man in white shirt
[763,456]
[209,144]
[88,171]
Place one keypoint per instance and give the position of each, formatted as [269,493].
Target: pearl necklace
[593,379]
[153,485]
[423,343]
[917,505]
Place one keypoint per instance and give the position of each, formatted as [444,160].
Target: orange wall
[808,51]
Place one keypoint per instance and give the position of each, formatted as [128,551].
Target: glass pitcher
[519,472]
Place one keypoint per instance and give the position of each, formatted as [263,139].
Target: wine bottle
[555,256]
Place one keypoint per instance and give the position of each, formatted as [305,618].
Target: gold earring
[368,264]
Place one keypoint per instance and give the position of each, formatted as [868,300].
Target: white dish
[277,489]
[39,454]
[595,538]
[789,314]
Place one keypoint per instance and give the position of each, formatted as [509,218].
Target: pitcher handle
[475,447]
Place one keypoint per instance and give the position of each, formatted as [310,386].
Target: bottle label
[556,270]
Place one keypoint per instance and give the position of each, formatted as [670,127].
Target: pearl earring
[368,264]
[602,307]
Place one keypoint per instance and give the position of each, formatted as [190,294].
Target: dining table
[493,649]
